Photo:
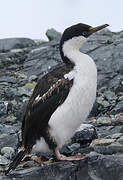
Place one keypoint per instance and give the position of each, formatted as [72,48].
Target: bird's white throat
[73,45]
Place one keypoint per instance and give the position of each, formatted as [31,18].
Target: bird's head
[74,36]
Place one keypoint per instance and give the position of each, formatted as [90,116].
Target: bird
[62,99]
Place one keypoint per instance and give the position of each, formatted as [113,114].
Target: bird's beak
[98,28]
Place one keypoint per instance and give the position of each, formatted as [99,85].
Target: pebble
[33,78]
[109,95]
[22,92]
[10,119]
[52,34]
[10,93]
[7,150]
[103,121]
[4,160]
[84,134]
[115,136]
[7,129]
[3,108]
[120,140]
[30,85]
[102,142]
[113,148]
[3,135]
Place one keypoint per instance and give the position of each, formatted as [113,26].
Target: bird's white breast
[77,106]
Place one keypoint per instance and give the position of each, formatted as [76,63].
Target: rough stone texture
[15,43]
[85,134]
[52,34]
[22,63]
[95,167]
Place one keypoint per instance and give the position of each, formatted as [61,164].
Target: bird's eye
[84,33]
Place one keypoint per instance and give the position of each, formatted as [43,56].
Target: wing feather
[49,93]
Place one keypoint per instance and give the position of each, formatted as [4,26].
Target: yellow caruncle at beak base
[90,28]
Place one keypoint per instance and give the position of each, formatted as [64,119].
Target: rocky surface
[22,62]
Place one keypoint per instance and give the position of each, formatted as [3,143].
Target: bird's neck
[70,50]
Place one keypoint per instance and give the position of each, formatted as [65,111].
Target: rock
[8,79]
[10,93]
[8,136]
[117,120]
[9,119]
[115,136]
[21,111]
[109,95]
[40,59]
[74,147]
[3,108]
[8,140]
[15,43]
[118,108]
[84,134]
[33,78]
[53,34]
[96,166]
[120,140]
[23,92]
[7,129]
[8,152]
[103,121]
[114,148]
[4,161]
[102,142]
[104,131]
[30,86]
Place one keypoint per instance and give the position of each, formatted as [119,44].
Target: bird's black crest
[75,30]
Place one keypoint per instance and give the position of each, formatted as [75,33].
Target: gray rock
[7,129]
[102,142]
[112,149]
[7,152]
[104,131]
[41,60]
[10,93]
[3,160]
[8,136]
[8,140]
[23,92]
[109,95]
[10,59]
[85,134]
[120,140]
[13,43]
[53,34]
[8,79]
[33,78]
[8,119]
[3,108]
[96,166]
[103,121]
[118,108]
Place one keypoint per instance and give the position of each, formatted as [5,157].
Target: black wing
[49,93]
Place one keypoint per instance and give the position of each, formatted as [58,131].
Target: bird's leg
[61,157]
[53,146]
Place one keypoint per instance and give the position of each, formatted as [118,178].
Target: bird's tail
[16,161]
